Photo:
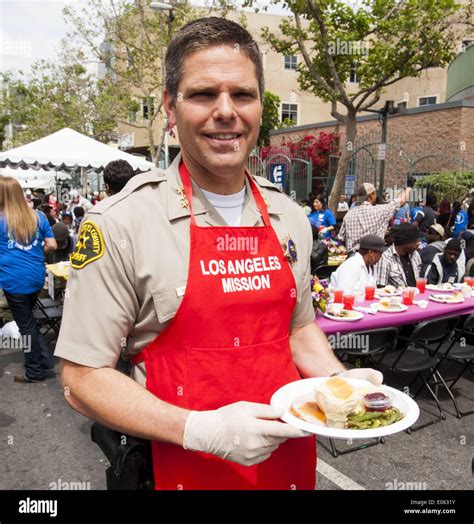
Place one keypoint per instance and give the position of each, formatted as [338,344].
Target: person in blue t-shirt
[414,211]
[459,220]
[321,217]
[22,272]
[402,215]
[460,223]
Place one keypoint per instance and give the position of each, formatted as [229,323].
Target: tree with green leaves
[454,185]
[270,118]
[385,40]
[130,39]
[54,95]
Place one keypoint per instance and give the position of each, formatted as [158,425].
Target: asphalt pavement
[46,445]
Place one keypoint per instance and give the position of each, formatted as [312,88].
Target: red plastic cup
[421,284]
[407,296]
[338,293]
[369,292]
[348,301]
[469,281]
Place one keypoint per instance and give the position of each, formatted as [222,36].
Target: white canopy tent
[35,179]
[67,150]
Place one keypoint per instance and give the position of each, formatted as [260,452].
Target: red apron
[229,341]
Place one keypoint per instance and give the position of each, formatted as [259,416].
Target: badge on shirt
[289,250]
[90,245]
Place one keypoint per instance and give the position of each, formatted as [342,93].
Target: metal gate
[292,175]
[391,164]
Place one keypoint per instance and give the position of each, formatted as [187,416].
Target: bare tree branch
[307,59]
[318,16]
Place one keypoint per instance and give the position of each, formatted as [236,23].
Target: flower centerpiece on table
[335,246]
[320,294]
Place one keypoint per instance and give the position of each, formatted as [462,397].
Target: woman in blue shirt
[22,272]
[402,215]
[459,219]
[321,217]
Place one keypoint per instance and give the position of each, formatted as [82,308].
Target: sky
[29,30]
[32,29]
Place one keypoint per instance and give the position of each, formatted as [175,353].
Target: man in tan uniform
[130,266]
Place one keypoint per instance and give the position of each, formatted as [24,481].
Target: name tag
[180,291]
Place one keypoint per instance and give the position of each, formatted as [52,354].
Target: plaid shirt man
[390,269]
[366,219]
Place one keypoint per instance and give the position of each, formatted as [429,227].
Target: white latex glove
[244,432]
[372,375]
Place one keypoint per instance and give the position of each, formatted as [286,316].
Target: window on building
[353,76]
[291,62]
[148,107]
[289,112]
[132,117]
[401,105]
[427,100]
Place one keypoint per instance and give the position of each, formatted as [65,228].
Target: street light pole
[387,109]
[161,6]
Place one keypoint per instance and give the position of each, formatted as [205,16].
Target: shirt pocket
[168,301]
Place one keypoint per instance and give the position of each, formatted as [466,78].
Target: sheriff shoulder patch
[90,246]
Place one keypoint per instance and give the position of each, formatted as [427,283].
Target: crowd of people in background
[387,242]
[394,242]
[36,229]
[65,217]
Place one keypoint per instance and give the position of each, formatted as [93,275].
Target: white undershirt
[229,207]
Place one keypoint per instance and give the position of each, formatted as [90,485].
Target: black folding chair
[421,354]
[48,316]
[461,350]
[364,345]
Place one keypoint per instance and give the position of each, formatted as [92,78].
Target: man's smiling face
[217,112]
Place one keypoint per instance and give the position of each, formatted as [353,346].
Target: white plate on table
[382,294]
[398,309]
[303,389]
[439,289]
[355,315]
[460,285]
[446,299]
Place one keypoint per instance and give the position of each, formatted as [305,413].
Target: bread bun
[337,398]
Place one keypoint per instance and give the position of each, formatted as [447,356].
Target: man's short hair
[116,174]
[453,245]
[79,211]
[201,34]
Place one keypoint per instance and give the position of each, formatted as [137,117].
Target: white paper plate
[400,309]
[345,319]
[459,285]
[448,299]
[433,287]
[385,295]
[285,396]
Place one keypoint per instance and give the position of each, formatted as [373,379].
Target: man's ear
[169,107]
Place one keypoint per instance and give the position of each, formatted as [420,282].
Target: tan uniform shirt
[125,298]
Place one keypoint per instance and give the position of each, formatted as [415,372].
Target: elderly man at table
[400,264]
[368,218]
[447,266]
[358,271]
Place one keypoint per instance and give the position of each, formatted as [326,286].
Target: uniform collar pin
[183,200]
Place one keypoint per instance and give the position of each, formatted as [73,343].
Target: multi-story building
[281,79]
